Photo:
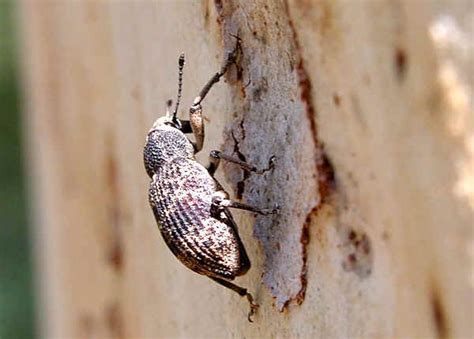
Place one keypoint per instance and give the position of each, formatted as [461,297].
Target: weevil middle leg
[219,202]
[216,156]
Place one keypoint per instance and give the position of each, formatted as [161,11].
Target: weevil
[190,206]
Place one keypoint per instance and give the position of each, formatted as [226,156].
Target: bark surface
[367,108]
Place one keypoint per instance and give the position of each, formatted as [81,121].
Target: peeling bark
[273,119]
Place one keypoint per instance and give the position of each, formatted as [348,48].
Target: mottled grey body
[181,194]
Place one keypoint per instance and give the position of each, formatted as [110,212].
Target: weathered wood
[367,110]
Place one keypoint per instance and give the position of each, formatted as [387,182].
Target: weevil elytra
[190,206]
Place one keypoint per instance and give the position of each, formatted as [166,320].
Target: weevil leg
[195,112]
[219,201]
[215,157]
[231,58]
[197,125]
[242,292]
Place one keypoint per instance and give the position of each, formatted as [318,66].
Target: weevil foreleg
[197,126]
[231,58]
[195,112]
[242,292]
[216,156]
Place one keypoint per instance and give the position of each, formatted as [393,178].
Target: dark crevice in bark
[241,184]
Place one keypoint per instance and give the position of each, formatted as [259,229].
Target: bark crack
[324,168]
[265,125]
[245,175]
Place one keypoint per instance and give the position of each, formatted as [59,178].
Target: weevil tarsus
[219,202]
[242,292]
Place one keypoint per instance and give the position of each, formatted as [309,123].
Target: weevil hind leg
[242,292]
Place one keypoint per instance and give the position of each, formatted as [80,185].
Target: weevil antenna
[180,85]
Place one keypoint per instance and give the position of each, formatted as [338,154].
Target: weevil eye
[177,123]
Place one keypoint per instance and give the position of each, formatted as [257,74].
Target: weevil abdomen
[180,194]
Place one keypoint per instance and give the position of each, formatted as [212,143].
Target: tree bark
[366,107]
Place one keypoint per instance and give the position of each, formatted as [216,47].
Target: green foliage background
[16,297]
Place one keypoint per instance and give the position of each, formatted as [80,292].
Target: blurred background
[16,295]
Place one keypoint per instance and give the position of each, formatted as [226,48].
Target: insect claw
[276,209]
[271,165]
[253,307]
[267,211]
[249,316]
[271,162]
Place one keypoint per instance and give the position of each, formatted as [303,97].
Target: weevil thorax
[165,142]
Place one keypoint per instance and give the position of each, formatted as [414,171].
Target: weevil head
[164,143]
[165,140]
[164,121]
[170,119]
